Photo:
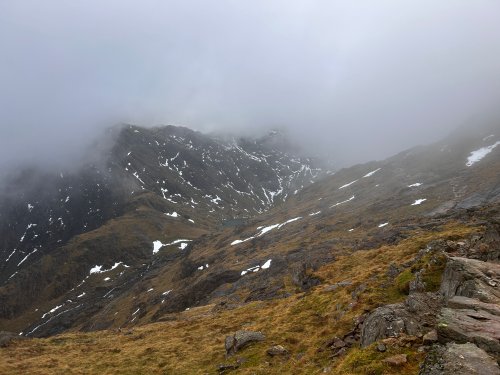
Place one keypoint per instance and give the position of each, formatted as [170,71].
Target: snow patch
[488,137]
[98,269]
[339,203]
[157,245]
[26,257]
[477,155]
[417,184]
[383,225]
[264,230]
[265,266]
[418,202]
[52,311]
[371,173]
[349,184]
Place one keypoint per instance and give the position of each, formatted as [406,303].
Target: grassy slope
[193,343]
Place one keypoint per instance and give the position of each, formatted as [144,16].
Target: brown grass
[194,342]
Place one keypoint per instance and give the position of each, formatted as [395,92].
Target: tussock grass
[193,343]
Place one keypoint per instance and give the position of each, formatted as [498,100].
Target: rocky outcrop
[471,278]
[413,317]
[472,313]
[468,325]
[241,339]
[459,359]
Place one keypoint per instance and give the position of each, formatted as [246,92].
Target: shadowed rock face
[471,278]
[211,179]
[414,317]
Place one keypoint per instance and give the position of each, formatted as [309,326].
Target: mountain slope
[302,272]
[151,187]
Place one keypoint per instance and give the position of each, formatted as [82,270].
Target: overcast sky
[354,79]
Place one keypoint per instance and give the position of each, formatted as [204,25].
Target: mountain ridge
[148,265]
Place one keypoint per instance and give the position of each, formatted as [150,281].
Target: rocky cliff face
[149,188]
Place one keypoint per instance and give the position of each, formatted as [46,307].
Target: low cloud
[351,80]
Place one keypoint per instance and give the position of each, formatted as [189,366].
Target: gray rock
[459,359]
[417,285]
[333,287]
[381,348]
[277,350]
[241,339]
[387,321]
[478,327]
[393,271]
[471,278]
[302,278]
[411,317]
[462,303]
[430,337]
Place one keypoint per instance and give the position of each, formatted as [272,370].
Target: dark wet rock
[396,360]
[302,278]
[467,325]
[459,359]
[277,350]
[241,339]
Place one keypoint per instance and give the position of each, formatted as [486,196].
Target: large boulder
[242,339]
[387,321]
[471,278]
[468,325]
[413,317]
[459,359]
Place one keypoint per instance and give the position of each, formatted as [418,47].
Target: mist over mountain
[264,187]
[352,82]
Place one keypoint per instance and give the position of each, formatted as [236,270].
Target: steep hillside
[317,274]
[151,188]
